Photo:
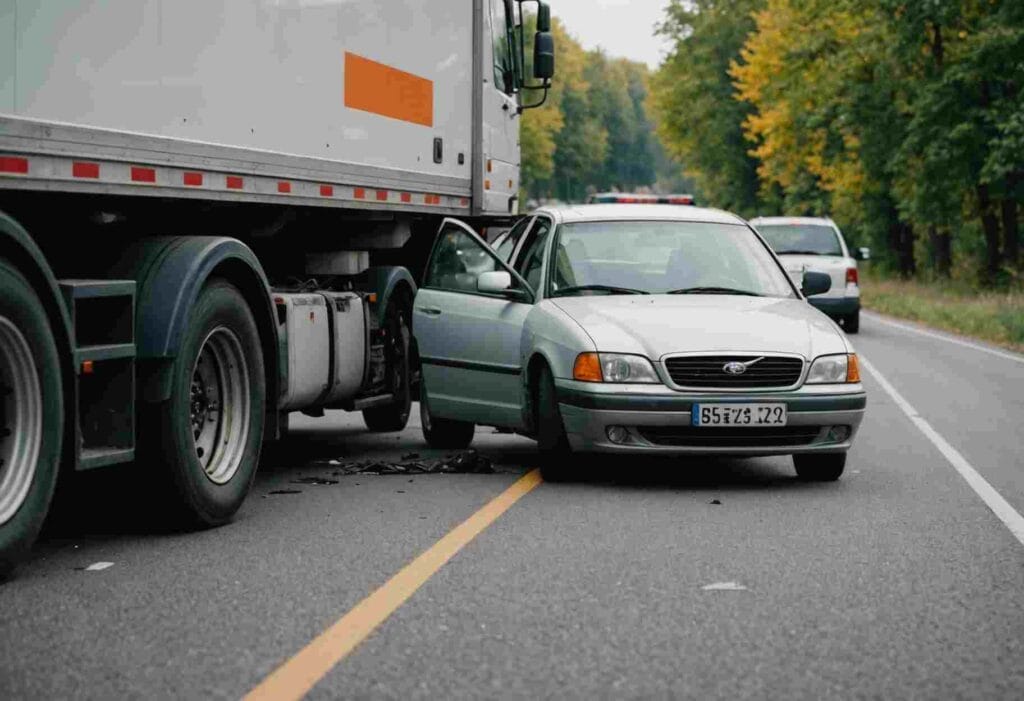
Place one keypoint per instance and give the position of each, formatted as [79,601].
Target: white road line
[942,337]
[993,499]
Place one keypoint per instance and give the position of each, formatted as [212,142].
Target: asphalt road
[898,581]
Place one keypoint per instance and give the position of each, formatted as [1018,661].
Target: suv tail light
[851,276]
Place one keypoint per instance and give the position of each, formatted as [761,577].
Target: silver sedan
[643,329]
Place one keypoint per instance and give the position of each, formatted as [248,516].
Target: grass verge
[997,317]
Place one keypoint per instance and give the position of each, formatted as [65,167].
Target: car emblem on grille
[734,367]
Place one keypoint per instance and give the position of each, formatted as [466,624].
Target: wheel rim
[219,405]
[21,419]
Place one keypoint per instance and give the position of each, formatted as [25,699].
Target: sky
[622,27]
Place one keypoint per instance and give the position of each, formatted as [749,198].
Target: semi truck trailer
[212,213]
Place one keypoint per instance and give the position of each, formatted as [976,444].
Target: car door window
[457,262]
[507,246]
[531,258]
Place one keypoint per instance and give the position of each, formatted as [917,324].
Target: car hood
[657,325]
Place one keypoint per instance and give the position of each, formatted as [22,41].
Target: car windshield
[808,239]
[659,257]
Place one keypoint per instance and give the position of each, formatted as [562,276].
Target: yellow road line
[297,676]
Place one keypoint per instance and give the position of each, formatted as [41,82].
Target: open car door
[468,321]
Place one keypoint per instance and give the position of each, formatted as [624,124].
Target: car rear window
[807,239]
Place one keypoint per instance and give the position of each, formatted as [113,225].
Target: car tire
[555,453]
[819,467]
[395,416]
[443,433]
[851,322]
[31,416]
[206,452]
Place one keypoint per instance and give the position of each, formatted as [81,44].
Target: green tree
[692,96]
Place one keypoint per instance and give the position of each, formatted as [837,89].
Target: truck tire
[395,415]
[851,322]
[443,433]
[555,453]
[819,467]
[206,437]
[31,416]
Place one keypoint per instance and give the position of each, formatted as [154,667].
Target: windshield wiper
[610,289]
[713,291]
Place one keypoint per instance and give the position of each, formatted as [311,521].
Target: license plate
[738,415]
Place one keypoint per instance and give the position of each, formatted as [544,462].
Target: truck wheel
[208,434]
[443,433]
[819,467]
[394,416]
[31,416]
[851,322]
[555,454]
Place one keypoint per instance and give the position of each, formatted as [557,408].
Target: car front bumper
[658,420]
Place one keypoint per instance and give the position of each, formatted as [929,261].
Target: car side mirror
[500,282]
[863,253]
[816,283]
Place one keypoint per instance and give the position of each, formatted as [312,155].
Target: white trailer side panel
[263,76]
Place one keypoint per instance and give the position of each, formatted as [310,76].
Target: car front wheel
[555,453]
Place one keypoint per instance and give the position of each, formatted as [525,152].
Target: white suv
[816,244]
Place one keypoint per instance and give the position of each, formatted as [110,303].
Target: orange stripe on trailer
[82,169]
[406,197]
[284,187]
[382,195]
[390,92]
[234,182]
[143,175]
[327,191]
[193,179]
[12,164]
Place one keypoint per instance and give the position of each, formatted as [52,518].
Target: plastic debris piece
[724,586]
[716,502]
[287,491]
[314,480]
[469,462]
[99,566]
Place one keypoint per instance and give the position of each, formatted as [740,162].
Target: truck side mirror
[543,17]
[543,56]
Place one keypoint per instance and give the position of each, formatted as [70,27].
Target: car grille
[729,437]
[708,371]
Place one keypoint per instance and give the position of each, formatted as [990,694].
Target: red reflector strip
[284,187]
[234,182]
[192,179]
[464,202]
[360,193]
[143,175]
[80,169]
[406,197]
[327,191]
[382,195]
[10,164]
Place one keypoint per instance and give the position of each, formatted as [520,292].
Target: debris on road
[724,586]
[716,502]
[287,491]
[96,567]
[323,481]
[469,462]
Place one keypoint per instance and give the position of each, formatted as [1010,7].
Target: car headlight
[614,367]
[834,369]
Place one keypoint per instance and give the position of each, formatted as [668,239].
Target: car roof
[793,220]
[638,212]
